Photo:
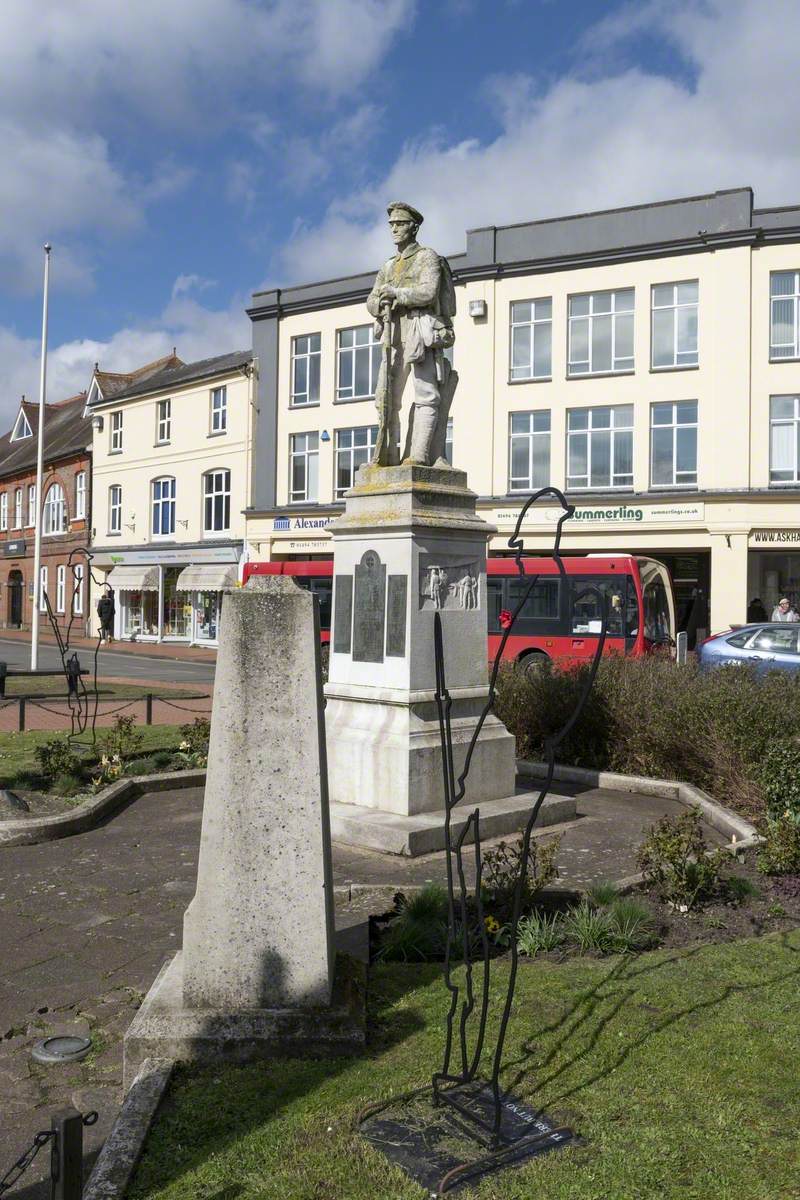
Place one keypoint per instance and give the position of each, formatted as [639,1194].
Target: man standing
[783,611]
[414,293]
[106,610]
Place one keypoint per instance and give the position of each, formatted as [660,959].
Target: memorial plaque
[369,609]
[343,614]
[396,616]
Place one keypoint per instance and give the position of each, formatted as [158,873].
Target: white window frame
[61,587]
[115,432]
[346,454]
[157,504]
[519,483]
[163,422]
[115,508]
[448,441]
[78,575]
[3,511]
[349,353]
[305,452]
[626,362]
[615,431]
[54,511]
[298,398]
[219,409]
[32,506]
[18,508]
[22,428]
[217,486]
[42,589]
[784,351]
[80,495]
[793,423]
[674,425]
[536,326]
[680,358]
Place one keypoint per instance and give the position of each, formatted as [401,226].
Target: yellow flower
[492,924]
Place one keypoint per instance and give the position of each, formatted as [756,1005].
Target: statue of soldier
[413,303]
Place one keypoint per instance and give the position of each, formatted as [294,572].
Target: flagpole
[37,540]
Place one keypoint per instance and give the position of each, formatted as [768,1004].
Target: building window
[115,444]
[32,505]
[354,447]
[80,494]
[164,507]
[217,501]
[22,428]
[55,510]
[306,357]
[784,420]
[77,589]
[61,587]
[115,508]
[18,508]
[531,339]
[448,441]
[529,451]
[359,358]
[43,589]
[600,447]
[674,325]
[601,332]
[673,444]
[219,410]
[784,314]
[3,511]
[304,467]
[163,421]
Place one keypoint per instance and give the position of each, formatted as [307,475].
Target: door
[15,599]
[775,648]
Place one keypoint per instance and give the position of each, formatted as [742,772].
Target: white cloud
[196,332]
[597,140]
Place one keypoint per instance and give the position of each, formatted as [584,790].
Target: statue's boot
[422,433]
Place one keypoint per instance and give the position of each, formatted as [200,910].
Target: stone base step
[373,829]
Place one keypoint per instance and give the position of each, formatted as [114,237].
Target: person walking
[106,610]
[783,611]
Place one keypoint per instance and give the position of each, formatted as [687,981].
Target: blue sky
[181,153]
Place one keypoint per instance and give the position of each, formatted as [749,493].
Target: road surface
[119,665]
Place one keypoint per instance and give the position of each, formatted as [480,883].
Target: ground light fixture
[64,1049]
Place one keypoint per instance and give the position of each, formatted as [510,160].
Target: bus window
[322,587]
[586,607]
[541,605]
[494,590]
[656,611]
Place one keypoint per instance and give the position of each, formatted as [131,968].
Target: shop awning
[134,579]
[207,577]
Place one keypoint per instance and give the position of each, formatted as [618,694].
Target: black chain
[18,1169]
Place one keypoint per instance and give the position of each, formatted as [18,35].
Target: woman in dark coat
[106,609]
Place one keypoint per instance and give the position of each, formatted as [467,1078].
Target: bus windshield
[659,618]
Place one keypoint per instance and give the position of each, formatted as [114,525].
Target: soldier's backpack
[447,291]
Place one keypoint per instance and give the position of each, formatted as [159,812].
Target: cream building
[170,469]
[644,360]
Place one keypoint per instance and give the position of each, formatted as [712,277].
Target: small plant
[776,910]
[67,785]
[589,928]
[674,860]
[109,770]
[632,925]
[779,854]
[538,932]
[193,748]
[122,740]
[715,923]
[417,931]
[501,867]
[57,758]
[163,758]
[600,895]
[739,889]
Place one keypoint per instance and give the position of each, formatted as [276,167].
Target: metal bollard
[66,1155]
[148,712]
[681,646]
[3,673]
[22,714]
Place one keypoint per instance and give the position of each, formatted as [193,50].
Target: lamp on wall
[185,523]
[324,436]
[97,423]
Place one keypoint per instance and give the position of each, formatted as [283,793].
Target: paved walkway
[53,713]
[86,923]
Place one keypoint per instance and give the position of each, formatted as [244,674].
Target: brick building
[66,513]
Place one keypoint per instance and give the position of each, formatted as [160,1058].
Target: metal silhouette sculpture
[83,701]
[456,1088]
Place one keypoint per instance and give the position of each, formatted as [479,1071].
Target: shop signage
[774,537]
[14,549]
[602,514]
[178,555]
[294,524]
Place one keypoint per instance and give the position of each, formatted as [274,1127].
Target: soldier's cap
[407,210]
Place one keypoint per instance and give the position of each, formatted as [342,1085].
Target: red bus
[560,620]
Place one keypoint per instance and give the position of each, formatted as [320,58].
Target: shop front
[773,571]
[171,595]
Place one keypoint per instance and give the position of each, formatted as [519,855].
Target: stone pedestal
[257,969]
[409,544]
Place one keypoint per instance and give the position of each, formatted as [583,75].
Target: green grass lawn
[54,685]
[679,1068]
[17,749]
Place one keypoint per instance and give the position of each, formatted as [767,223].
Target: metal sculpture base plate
[437,1147]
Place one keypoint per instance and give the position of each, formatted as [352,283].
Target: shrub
[738,889]
[67,785]
[779,854]
[779,776]
[674,861]
[193,749]
[538,932]
[501,868]
[56,758]
[163,758]
[632,925]
[122,740]
[589,928]
[600,895]
[418,930]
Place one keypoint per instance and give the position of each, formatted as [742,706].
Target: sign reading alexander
[602,514]
[774,537]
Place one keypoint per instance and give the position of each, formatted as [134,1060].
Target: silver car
[767,646]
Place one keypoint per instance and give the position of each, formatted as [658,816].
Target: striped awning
[134,579]
[207,577]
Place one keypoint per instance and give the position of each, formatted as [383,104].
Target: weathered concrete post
[256,973]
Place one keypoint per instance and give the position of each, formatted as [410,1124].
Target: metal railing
[65,1137]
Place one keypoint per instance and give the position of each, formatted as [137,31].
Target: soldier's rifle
[383,399]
